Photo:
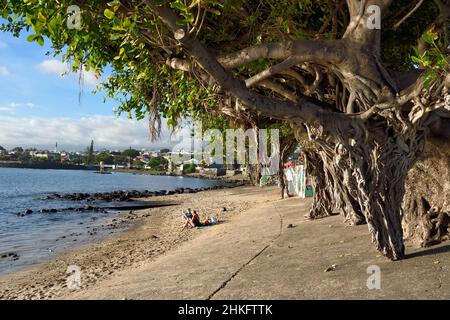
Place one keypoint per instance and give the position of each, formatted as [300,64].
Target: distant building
[46,155]
[192,161]
[71,156]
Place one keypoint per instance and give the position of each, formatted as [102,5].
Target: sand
[154,232]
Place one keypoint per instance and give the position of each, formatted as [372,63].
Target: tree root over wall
[426,206]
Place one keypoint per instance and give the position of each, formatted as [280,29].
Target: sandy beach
[154,232]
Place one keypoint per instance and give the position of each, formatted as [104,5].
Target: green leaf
[179,6]
[42,18]
[188,17]
[4,13]
[114,3]
[116,36]
[430,37]
[416,60]
[216,12]
[32,37]
[141,75]
[121,53]
[40,40]
[127,23]
[109,14]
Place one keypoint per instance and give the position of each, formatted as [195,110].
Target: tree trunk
[380,167]
[369,167]
[282,182]
[345,183]
[254,174]
[426,206]
[323,189]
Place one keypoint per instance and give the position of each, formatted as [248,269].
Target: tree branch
[326,51]
[359,29]
[286,64]
[303,110]
[278,88]
[419,3]
[295,75]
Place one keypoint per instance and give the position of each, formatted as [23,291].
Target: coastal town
[148,161]
[120,158]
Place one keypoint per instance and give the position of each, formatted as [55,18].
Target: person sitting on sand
[196,220]
[188,215]
[193,220]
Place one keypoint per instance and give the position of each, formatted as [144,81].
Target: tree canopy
[133,153]
[154,73]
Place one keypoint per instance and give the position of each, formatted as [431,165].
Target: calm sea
[39,236]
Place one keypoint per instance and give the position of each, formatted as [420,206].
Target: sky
[39,106]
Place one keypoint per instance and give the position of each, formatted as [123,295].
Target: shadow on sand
[429,251]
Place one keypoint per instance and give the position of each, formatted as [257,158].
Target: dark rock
[11,255]
[25,213]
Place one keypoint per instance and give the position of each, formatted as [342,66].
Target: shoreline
[104,211]
[110,205]
[47,166]
[227,179]
[149,234]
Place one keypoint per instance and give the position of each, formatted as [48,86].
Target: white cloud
[60,68]
[15,105]
[90,78]
[106,131]
[4,71]
[6,109]
[18,105]
[53,66]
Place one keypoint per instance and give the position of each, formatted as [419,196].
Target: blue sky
[39,106]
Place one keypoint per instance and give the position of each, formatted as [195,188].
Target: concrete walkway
[256,256]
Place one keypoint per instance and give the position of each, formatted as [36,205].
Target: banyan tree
[366,79]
